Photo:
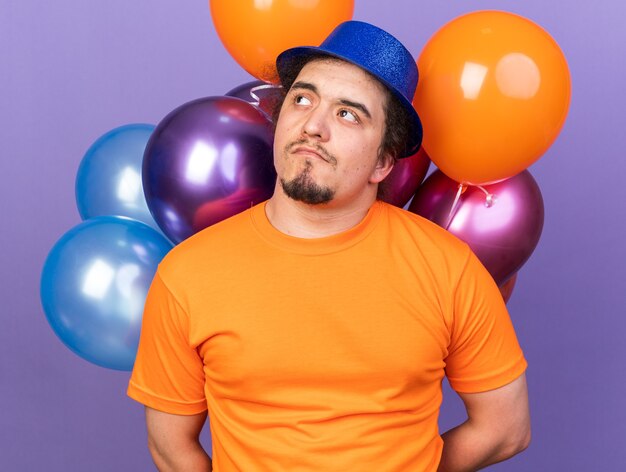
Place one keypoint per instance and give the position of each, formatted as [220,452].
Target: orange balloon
[255,32]
[493,94]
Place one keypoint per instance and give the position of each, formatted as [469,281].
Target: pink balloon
[407,174]
[502,229]
[506,289]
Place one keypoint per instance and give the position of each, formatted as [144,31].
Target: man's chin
[318,202]
[302,189]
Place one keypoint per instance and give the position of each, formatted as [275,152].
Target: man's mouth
[307,151]
[311,151]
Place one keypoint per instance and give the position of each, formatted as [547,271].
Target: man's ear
[383,168]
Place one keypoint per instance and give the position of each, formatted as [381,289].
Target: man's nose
[316,124]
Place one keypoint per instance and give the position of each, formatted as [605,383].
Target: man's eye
[348,115]
[300,100]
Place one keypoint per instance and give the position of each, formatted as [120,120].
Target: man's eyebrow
[358,106]
[304,85]
[344,101]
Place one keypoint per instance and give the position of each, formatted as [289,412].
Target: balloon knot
[490,198]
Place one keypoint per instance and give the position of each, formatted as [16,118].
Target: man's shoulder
[209,246]
[405,224]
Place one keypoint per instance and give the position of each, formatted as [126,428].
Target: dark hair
[395,138]
[397,121]
[287,78]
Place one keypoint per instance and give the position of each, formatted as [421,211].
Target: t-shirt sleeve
[168,372]
[484,353]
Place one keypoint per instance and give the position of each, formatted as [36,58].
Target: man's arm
[497,428]
[174,442]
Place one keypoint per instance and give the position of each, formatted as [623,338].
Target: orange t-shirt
[322,354]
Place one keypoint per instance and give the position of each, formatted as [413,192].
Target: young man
[316,328]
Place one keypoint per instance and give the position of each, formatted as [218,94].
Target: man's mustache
[318,148]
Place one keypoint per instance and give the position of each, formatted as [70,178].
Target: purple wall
[72,70]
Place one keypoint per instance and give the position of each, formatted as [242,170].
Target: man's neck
[315,221]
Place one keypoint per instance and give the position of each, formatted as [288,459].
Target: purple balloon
[502,230]
[207,160]
[405,177]
[268,96]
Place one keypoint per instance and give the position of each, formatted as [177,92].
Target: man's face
[328,134]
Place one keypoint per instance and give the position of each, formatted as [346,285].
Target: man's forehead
[339,65]
[348,77]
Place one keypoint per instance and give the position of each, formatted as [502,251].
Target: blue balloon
[109,181]
[94,285]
